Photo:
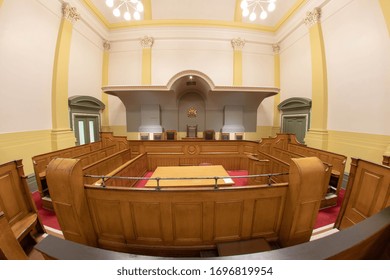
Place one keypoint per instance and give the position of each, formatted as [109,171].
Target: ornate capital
[238,44]
[70,13]
[313,17]
[147,42]
[276,48]
[106,45]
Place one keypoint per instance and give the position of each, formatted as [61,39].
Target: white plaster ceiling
[209,11]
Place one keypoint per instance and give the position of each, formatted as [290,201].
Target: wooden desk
[189,172]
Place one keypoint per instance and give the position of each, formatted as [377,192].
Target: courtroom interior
[207,129]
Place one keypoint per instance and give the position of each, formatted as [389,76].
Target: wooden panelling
[228,220]
[147,221]
[367,240]
[180,219]
[16,203]
[183,230]
[267,216]
[368,192]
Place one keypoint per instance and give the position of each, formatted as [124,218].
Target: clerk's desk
[190,172]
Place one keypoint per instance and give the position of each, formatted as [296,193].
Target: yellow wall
[24,145]
[385,4]
[370,147]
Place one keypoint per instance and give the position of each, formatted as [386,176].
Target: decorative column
[317,136]
[62,136]
[147,9]
[237,44]
[106,60]
[385,5]
[147,43]
[276,122]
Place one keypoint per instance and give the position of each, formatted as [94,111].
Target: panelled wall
[356,47]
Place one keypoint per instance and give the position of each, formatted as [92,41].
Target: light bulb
[127,16]
[252,17]
[263,15]
[140,7]
[116,12]
[244,4]
[110,3]
[245,12]
[271,7]
[137,15]
[133,1]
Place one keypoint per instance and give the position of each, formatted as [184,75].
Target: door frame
[75,115]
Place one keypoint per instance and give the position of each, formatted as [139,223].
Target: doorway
[296,125]
[86,129]
[295,117]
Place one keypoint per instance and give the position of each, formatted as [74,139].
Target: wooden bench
[136,167]
[17,204]
[10,248]
[88,154]
[106,165]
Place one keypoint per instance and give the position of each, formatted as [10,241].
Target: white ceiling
[216,11]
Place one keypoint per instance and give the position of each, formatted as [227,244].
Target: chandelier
[255,9]
[128,7]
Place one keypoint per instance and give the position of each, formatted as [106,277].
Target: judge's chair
[192,131]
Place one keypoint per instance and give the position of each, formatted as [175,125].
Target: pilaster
[276,121]
[106,60]
[147,43]
[385,5]
[237,44]
[62,136]
[317,136]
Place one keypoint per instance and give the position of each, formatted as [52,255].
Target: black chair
[209,134]
[171,135]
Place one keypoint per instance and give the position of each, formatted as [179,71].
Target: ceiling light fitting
[254,8]
[130,7]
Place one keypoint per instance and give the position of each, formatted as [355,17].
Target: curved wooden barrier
[368,239]
[146,221]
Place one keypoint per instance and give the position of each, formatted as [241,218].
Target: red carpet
[48,218]
[329,215]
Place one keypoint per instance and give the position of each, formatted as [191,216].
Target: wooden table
[190,172]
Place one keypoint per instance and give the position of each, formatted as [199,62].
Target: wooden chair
[171,135]
[192,131]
